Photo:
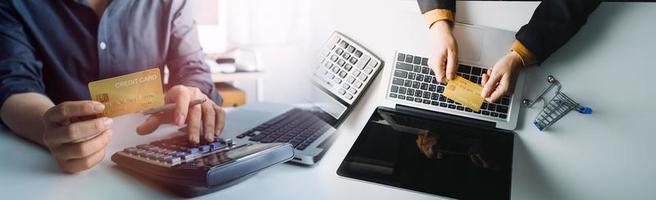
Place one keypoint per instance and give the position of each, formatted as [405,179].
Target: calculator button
[341,62]
[368,70]
[346,86]
[357,84]
[356,72]
[353,60]
[350,79]
[179,154]
[343,44]
[372,64]
[358,53]
[204,148]
[192,150]
[350,49]
[362,62]
[348,67]
[363,77]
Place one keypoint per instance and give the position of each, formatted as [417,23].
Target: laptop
[344,72]
[431,144]
[413,84]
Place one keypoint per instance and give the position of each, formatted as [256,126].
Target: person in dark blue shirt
[51,49]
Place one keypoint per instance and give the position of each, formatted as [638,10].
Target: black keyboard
[414,81]
[298,127]
[193,169]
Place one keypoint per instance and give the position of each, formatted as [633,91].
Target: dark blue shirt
[56,47]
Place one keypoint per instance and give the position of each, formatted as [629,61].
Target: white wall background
[285,34]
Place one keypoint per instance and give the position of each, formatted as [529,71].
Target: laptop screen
[432,156]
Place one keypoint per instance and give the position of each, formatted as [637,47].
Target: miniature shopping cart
[556,108]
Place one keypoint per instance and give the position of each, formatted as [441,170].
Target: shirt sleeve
[553,23]
[185,58]
[528,57]
[436,10]
[20,71]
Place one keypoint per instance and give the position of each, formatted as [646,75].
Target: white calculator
[346,69]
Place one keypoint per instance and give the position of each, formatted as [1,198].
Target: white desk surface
[607,66]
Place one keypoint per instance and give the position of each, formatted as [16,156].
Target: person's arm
[20,72]
[437,10]
[22,113]
[439,17]
[553,23]
[189,79]
[76,140]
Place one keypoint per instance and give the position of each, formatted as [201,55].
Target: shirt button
[103,46]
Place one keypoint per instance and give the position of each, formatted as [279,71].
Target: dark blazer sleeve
[553,23]
[428,5]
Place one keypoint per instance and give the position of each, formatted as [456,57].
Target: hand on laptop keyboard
[414,82]
[444,63]
[500,79]
[444,55]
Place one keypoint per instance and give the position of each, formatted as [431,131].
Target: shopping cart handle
[585,110]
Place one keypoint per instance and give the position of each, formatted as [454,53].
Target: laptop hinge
[441,116]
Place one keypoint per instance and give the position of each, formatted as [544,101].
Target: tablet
[431,155]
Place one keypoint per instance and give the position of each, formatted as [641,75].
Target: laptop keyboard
[297,127]
[346,68]
[413,81]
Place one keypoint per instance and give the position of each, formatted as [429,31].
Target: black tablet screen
[432,155]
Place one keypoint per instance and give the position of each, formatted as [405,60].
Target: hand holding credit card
[142,92]
[465,92]
[129,93]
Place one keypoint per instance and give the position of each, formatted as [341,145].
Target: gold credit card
[464,92]
[129,93]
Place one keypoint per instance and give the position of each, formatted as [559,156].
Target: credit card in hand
[464,92]
[129,93]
